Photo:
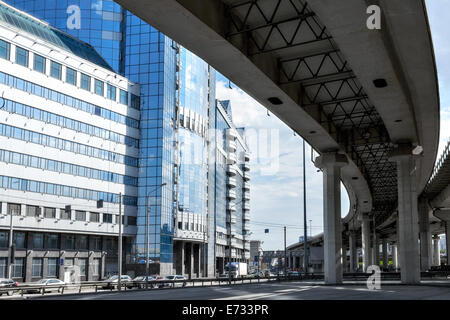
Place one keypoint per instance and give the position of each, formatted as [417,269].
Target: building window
[22,56]
[96,267]
[36,268]
[5,49]
[52,241]
[94,217]
[123,97]
[18,267]
[83,243]
[180,225]
[70,242]
[135,101]
[68,262]
[55,70]
[65,215]
[38,240]
[71,76]
[111,92]
[39,63]
[4,239]
[85,82]
[132,221]
[97,243]
[14,209]
[52,267]
[107,218]
[99,87]
[50,212]
[19,239]
[80,215]
[3,267]
[82,263]
[32,211]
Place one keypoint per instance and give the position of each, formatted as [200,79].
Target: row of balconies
[231,219]
[232,206]
[231,182]
[232,171]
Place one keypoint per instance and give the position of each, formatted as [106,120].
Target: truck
[237,269]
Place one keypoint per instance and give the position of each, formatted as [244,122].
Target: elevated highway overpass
[366,100]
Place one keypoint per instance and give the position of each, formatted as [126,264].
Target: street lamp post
[119,261]
[147,242]
[305,227]
[10,251]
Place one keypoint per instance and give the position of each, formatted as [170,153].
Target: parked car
[7,283]
[113,281]
[48,285]
[140,281]
[293,274]
[172,281]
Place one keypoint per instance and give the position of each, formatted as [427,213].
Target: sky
[276,193]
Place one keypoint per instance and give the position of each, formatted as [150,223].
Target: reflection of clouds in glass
[97,6]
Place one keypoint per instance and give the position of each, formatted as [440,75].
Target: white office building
[69,137]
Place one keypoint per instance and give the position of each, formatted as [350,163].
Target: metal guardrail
[137,285]
[162,284]
[440,162]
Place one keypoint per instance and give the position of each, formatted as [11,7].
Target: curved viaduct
[366,99]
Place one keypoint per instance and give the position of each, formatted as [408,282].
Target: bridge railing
[441,161]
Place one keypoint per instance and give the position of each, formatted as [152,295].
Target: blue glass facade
[170,78]
[145,56]
[99,22]
[194,84]
[150,60]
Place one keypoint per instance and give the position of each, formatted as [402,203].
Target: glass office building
[177,98]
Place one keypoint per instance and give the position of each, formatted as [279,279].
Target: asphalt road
[274,291]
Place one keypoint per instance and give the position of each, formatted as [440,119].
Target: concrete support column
[407,214]
[397,245]
[444,215]
[191,260]
[395,256]
[375,249]
[365,230]
[353,251]
[331,164]
[425,236]
[197,260]
[345,265]
[436,251]
[385,253]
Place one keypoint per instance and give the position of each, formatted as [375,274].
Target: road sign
[61,262]
[266,230]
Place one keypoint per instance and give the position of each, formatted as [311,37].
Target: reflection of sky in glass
[192,173]
[194,83]
[99,26]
